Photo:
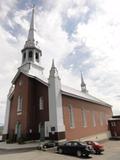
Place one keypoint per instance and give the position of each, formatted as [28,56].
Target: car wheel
[60,151]
[97,152]
[87,155]
[79,154]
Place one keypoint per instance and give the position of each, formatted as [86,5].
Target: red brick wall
[79,131]
[23,91]
[36,90]
[30,90]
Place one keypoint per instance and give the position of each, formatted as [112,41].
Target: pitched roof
[32,74]
[65,90]
[81,95]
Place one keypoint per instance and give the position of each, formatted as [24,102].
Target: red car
[97,147]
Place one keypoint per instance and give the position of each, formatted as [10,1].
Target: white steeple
[83,85]
[55,102]
[31,40]
[54,71]
[31,53]
[53,65]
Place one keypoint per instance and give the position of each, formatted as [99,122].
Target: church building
[40,108]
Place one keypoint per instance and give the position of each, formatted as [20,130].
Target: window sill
[19,113]
[72,127]
[84,126]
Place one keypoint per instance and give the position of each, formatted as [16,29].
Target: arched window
[37,57]
[71,116]
[30,55]
[101,118]
[93,118]
[18,129]
[20,104]
[84,120]
[41,103]
[24,56]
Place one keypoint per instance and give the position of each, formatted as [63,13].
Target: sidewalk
[16,146]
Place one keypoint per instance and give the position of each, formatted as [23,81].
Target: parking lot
[112,152]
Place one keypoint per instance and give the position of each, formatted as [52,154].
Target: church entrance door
[42,131]
[18,130]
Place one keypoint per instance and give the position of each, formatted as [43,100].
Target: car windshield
[83,143]
[75,144]
[68,144]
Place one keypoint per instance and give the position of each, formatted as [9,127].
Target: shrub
[21,140]
[8,141]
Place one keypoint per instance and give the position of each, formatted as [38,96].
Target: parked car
[49,145]
[97,147]
[74,148]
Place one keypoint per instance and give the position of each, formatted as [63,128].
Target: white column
[6,122]
[55,101]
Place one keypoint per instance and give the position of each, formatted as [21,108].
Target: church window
[84,121]
[37,57]
[41,103]
[93,118]
[20,104]
[30,55]
[106,118]
[20,83]
[71,116]
[101,118]
[24,56]
[39,126]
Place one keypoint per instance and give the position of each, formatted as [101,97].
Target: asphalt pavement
[112,152]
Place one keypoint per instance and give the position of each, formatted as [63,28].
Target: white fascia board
[45,82]
[16,76]
[83,98]
[113,119]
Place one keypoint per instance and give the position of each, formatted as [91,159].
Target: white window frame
[20,83]
[84,120]
[113,123]
[39,127]
[101,118]
[94,118]
[71,116]
[41,103]
[20,104]
[107,118]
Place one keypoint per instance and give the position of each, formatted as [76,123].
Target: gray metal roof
[81,95]
[65,90]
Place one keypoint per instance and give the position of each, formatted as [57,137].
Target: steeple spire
[83,85]
[31,53]
[53,65]
[31,41]
[53,71]
[31,30]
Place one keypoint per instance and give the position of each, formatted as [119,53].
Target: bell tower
[31,53]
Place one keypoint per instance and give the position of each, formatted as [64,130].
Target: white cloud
[5,7]
[100,34]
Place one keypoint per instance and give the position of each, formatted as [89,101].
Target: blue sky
[81,35]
